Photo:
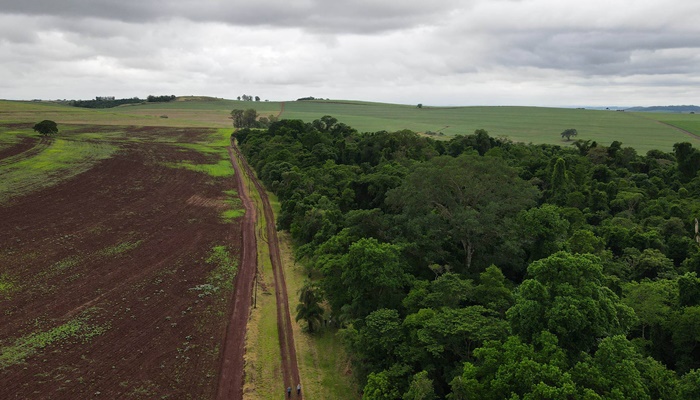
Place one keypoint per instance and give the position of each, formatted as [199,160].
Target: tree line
[110,101]
[250,118]
[482,268]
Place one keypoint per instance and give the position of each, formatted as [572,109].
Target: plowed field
[112,281]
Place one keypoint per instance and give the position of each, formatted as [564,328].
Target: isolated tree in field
[420,105]
[46,127]
[569,133]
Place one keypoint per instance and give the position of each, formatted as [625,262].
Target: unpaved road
[232,367]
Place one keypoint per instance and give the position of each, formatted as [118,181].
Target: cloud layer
[523,52]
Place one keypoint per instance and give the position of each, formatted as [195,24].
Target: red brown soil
[21,147]
[161,338]
[231,371]
[231,378]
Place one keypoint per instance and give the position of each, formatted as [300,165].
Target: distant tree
[257,98]
[250,117]
[238,98]
[569,133]
[46,127]
[237,116]
[420,105]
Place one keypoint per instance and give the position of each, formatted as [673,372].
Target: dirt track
[231,375]
[232,366]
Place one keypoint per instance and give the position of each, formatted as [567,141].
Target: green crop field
[643,131]
[524,124]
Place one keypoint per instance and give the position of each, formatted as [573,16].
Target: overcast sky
[437,52]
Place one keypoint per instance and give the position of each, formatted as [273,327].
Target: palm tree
[309,308]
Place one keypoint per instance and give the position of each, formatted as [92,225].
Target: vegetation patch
[119,248]
[7,286]
[219,170]
[58,160]
[79,328]
[225,268]
[235,210]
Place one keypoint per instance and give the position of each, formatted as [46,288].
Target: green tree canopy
[46,127]
[565,294]
[469,199]
[568,133]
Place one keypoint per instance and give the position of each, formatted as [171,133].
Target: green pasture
[643,131]
[522,124]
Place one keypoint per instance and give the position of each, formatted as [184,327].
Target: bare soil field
[107,279]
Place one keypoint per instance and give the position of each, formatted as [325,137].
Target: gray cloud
[356,16]
[544,52]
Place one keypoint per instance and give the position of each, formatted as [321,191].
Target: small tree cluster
[250,119]
[245,97]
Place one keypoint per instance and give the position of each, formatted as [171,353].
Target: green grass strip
[60,160]
[79,328]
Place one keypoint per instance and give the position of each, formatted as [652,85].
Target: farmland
[119,237]
[117,257]
[643,131]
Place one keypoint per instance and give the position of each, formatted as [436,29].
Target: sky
[560,53]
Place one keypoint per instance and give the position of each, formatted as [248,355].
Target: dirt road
[231,375]
[232,366]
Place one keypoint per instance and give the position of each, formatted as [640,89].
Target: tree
[46,127]
[543,230]
[466,201]
[309,308]
[237,117]
[370,276]
[516,370]
[569,133]
[566,295]
[420,105]
[421,388]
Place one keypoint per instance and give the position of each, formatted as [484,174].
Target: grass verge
[323,364]
[263,370]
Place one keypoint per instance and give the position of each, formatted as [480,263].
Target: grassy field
[643,131]
[523,124]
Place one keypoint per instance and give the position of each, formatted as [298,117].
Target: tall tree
[566,295]
[470,199]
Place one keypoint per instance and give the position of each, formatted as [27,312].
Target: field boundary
[290,368]
[231,371]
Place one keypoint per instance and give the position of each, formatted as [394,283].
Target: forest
[480,268]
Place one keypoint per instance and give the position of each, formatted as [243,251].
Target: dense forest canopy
[482,268]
